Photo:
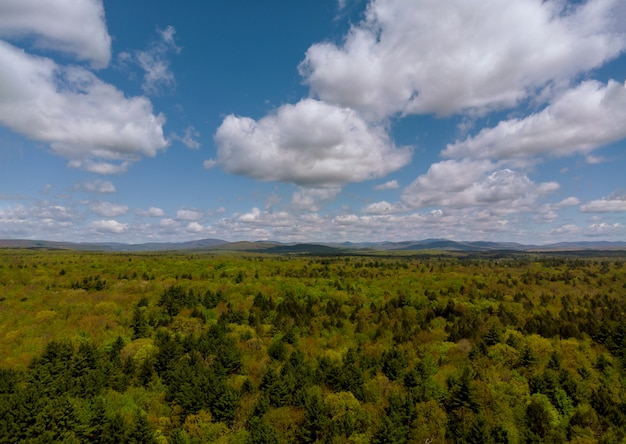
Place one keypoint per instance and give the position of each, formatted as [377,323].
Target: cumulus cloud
[151,212]
[566,230]
[39,217]
[312,199]
[582,119]
[460,224]
[52,211]
[194,227]
[168,223]
[423,56]
[75,27]
[108,209]
[606,228]
[85,120]
[390,185]
[384,207]
[108,226]
[568,202]
[311,144]
[474,183]
[189,214]
[606,205]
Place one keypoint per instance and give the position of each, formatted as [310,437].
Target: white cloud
[568,202]
[189,138]
[189,214]
[566,230]
[41,210]
[605,228]
[194,227]
[108,209]
[40,217]
[312,199]
[155,62]
[76,27]
[85,120]
[52,211]
[108,226]
[168,223]
[474,183]
[384,207]
[209,163]
[98,167]
[97,186]
[390,185]
[463,224]
[606,205]
[582,119]
[310,144]
[424,56]
[594,160]
[151,212]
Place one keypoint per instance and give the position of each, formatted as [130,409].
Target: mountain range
[312,248]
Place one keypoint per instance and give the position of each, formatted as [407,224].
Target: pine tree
[316,421]
[261,432]
[139,323]
[143,432]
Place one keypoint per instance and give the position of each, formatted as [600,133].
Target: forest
[429,347]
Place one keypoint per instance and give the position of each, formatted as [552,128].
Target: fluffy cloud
[189,214]
[390,185]
[604,228]
[75,27]
[423,56]
[311,143]
[474,183]
[108,227]
[566,230]
[607,205]
[582,119]
[51,211]
[452,223]
[151,212]
[84,119]
[384,207]
[39,217]
[568,202]
[311,199]
[194,227]
[108,209]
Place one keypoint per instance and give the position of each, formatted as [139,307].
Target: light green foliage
[185,348]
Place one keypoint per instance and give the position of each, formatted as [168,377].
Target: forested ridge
[234,348]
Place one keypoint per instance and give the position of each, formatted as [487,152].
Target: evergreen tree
[389,433]
[316,421]
[261,432]
[142,432]
[114,430]
[139,323]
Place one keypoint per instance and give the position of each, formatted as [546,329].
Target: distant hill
[313,248]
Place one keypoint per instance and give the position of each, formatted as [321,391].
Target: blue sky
[380,120]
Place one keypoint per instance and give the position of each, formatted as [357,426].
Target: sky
[320,121]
